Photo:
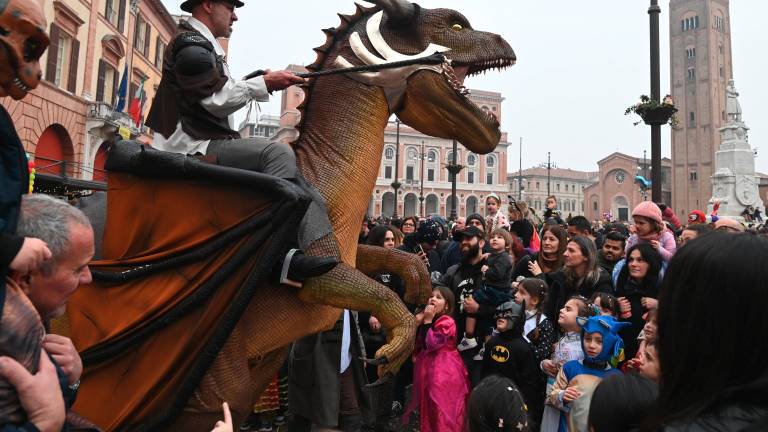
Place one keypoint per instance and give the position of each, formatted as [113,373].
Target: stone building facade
[566,184]
[615,190]
[422,156]
[63,122]
[700,68]
[265,127]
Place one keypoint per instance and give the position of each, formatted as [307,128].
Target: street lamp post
[520,172]
[396,184]
[653,11]
[645,165]
[454,169]
[549,168]
[421,189]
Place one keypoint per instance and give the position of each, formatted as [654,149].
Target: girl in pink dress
[440,382]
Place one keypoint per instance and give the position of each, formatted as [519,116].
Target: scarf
[21,337]
[652,236]
[549,265]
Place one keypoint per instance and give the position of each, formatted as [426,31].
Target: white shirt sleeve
[235,95]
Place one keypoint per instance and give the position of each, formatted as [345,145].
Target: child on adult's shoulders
[649,228]
[497,279]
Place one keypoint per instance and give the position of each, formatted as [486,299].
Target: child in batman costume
[509,354]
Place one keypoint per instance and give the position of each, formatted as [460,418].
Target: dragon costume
[182,315]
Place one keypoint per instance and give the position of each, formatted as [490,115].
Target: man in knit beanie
[477,220]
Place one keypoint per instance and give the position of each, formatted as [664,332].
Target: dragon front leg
[347,288]
[413,272]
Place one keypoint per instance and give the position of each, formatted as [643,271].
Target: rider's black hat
[189,4]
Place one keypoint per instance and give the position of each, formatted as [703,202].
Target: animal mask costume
[608,327]
[22,41]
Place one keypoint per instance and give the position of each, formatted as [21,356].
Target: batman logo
[500,354]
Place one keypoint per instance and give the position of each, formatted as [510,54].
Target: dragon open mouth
[456,72]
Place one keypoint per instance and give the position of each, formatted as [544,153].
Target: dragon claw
[378,361]
[381,381]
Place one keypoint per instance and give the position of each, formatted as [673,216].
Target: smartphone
[419,249]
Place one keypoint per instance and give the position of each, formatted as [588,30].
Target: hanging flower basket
[654,113]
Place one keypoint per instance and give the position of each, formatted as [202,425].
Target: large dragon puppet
[182,313]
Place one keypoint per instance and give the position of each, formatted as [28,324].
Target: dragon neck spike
[398,11]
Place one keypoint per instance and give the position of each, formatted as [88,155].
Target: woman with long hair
[549,258]
[636,282]
[711,321]
[520,225]
[580,275]
[374,336]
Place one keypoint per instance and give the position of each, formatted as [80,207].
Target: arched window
[432,156]
[490,161]
[412,154]
[471,160]
[389,153]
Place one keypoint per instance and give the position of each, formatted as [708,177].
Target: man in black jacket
[193,114]
[20,50]
[468,275]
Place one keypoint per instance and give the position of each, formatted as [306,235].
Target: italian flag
[137,104]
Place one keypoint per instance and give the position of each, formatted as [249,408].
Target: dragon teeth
[20,84]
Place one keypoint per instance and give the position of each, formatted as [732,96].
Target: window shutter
[136,32]
[115,85]
[53,50]
[72,82]
[146,40]
[157,51]
[121,17]
[100,82]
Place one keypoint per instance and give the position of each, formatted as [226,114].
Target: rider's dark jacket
[191,72]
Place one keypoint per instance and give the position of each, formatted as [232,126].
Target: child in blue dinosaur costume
[603,350]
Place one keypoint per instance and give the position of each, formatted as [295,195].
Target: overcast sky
[580,64]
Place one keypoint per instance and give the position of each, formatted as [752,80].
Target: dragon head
[430,98]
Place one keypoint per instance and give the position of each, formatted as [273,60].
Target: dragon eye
[457,27]
[33,49]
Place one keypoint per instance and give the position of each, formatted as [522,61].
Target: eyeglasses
[408,224]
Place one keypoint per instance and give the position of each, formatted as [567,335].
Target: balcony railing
[102,111]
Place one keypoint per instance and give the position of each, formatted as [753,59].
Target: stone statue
[732,107]
[734,184]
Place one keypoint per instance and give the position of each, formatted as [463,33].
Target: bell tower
[700,69]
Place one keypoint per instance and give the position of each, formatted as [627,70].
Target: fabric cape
[186,248]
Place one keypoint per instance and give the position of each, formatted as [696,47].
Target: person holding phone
[423,243]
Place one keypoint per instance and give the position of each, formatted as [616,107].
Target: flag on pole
[122,91]
[137,104]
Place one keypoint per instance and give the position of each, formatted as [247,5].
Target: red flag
[137,104]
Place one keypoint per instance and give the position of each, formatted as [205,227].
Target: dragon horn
[398,11]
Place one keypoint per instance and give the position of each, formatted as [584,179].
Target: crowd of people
[553,325]
[569,336]
[534,322]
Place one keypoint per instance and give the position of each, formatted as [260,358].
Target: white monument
[734,183]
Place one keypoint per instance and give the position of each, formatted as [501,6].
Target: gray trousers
[277,159]
[255,154]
